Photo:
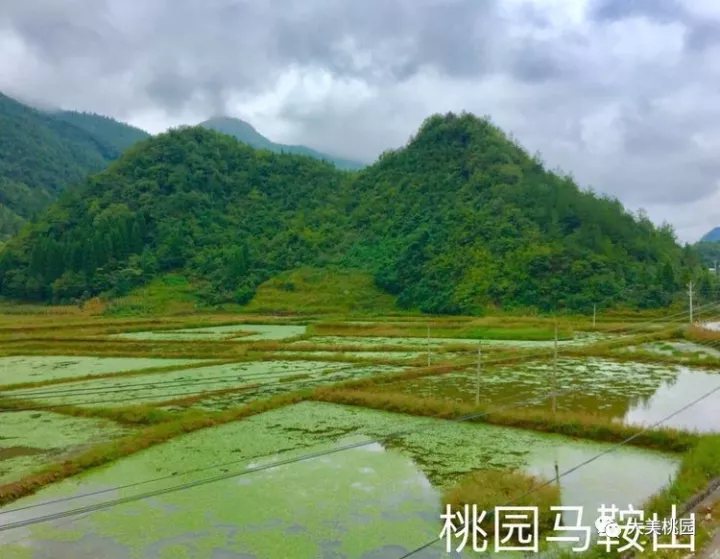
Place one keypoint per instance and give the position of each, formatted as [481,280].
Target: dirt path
[708,513]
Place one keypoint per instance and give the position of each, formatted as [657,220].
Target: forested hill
[42,153]
[458,220]
[118,135]
[244,132]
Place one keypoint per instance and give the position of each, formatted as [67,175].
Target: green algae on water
[36,368]
[255,332]
[157,387]
[377,500]
[30,440]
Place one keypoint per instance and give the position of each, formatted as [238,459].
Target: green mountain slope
[111,132]
[247,134]
[476,221]
[41,154]
[459,220]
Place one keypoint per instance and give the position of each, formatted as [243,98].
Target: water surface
[636,393]
[373,502]
[236,332]
[157,387]
[30,440]
[34,368]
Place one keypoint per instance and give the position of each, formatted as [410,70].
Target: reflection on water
[637,393]
[688,385]
[372,502]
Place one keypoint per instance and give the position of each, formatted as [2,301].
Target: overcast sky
[621,93]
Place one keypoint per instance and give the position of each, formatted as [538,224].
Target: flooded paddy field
[290,383]
[30,440]
[375,501]
[634,393]
[677,348]
[237,332]
[159,387]
[24,368]
[581,338]
[377,355]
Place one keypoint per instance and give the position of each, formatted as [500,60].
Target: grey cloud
[701,31]
[703,34]
[663,11]
[539,75]
[533,63]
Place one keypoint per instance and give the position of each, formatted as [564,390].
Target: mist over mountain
[245,132]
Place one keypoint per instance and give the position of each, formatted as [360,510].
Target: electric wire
[584,463]
[224,476]
[101,506]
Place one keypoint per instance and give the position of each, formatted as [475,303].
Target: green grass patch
[488,488]
[326,291]
[168,294]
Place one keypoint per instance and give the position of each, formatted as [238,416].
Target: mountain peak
[246,133]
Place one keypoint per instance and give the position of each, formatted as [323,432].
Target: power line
[586,462]
[223,379]
[32,393]
[221,477]
[251,470]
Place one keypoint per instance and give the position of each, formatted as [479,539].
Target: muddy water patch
[371,501]
[35,368]
[30,440]
[157,387]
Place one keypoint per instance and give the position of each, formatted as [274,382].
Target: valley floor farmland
[260,436]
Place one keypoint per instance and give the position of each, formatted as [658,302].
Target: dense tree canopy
[459,220]
[118,135]
[43,153]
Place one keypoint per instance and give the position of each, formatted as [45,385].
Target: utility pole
[594,313]
[554,377]
[690,294]
[479,371]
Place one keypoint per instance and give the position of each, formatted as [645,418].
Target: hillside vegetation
[459,220]
[244,132]
[42,153]
[118,135]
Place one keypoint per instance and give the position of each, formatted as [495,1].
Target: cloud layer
[621,93]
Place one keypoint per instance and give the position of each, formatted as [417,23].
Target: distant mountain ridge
[114,133]
[42,152]
[247,134]
[712,236]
